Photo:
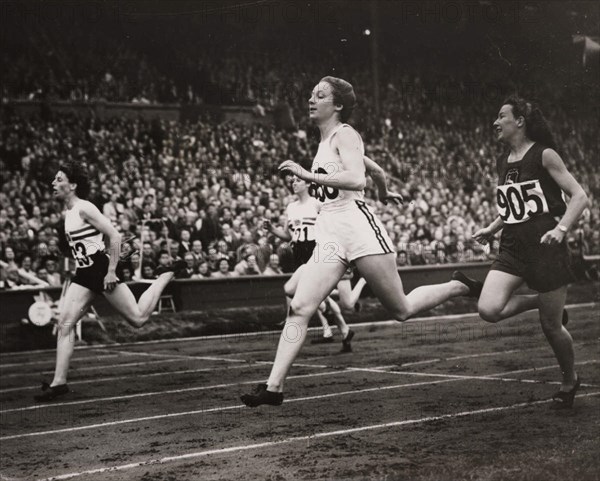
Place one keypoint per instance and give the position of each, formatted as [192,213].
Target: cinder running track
[442,398]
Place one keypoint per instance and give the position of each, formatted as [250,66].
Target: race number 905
[518,202]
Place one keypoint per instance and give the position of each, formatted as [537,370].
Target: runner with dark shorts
[534,220]
[301,217]
[86,229]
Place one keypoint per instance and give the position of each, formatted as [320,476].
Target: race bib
[518,202]
[320,192]
[295,227]
[299,231]
[80,255]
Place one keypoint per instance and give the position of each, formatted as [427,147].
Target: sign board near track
[40,313]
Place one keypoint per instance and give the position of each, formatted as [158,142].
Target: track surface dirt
[442,398]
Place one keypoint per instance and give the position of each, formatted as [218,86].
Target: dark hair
[76,172]
[49,258]
[343,94]
[536,125]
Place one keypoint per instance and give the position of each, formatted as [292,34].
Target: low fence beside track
[247,291]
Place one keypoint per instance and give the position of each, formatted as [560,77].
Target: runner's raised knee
[489,313]
[400,315]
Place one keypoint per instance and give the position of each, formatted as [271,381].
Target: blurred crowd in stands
[201,190]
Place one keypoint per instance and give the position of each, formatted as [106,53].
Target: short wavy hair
[77,173]
[343,94]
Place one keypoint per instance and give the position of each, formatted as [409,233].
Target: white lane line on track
[493,377]
[170,358]
[163,373]
[270,333]
[92,368]
[233,360]
[135,376]
[183,358]
[310,437]
[158,393]
[411,373]
[52,361]
[470,356]
[219,409]
[249,364]
[180,356]
[483,377]
[375,370]
[419,363]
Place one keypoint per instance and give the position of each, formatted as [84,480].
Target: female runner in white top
[301,216]
[85,228]
[347,231]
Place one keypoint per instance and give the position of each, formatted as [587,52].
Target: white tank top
[84,239]
[328,161]
[301,220]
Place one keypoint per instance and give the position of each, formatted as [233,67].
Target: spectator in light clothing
[53,276]
[224,271]
[247,266]
[273,267]
[203,271]
[185,244]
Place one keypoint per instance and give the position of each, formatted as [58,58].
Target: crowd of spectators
[231,54]
[200,191]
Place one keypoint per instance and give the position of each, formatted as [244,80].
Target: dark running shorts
[92,277]
[544,268]
[302,252]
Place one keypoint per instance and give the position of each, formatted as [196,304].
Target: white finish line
[489,377]
[247,365]
[235,449]
[347,370]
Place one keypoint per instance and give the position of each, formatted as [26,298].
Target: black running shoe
[262,396]
[175,267]
[346,343]
[565,317]
[475,286]
[323,340]
[50,393]
[565,399]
